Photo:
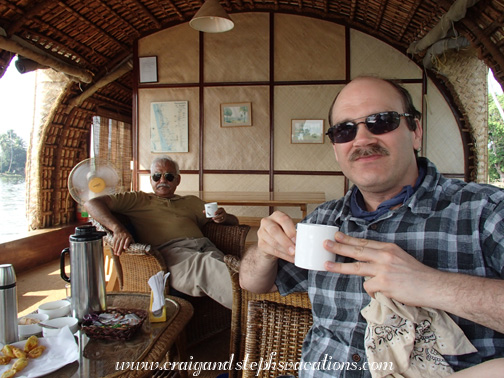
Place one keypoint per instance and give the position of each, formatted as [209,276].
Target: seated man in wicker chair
[172,224]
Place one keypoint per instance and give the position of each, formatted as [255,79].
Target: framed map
[169,126]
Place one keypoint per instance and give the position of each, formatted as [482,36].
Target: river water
[13,222]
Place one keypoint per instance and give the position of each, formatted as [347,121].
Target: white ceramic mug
[210,209]
[310,251]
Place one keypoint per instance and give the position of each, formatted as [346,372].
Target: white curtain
[112,142]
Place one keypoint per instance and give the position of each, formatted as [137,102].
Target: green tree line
[496,139]
[12,153]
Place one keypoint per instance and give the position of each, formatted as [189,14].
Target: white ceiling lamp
[212,18]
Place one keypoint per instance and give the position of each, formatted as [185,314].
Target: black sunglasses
[168,176]
[379,123]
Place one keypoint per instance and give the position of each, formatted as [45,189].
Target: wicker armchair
[140,261]
[262,323]
[275,332]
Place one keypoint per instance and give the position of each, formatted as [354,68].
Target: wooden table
[98,358]
[271,199]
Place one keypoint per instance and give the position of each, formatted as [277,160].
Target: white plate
[60,351]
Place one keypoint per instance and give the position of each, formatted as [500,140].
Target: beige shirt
[158,220]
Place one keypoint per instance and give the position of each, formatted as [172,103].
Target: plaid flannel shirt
[447,224]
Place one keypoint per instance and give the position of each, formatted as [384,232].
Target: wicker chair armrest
[295,299]
[136,264]
[232,263]
[240,314]
[133,248]
[138,268]
[228,239]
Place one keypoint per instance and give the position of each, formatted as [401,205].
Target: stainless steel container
[8,305]
[87,272]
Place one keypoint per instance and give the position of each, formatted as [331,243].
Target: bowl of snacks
[29,325]
[113,324]
[55,309]
[53,326]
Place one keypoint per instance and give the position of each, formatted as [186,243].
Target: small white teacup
[210,209]
[55,309]
[310,251]
[55,325]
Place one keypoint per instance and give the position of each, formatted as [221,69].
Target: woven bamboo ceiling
[92,38]
[92,42]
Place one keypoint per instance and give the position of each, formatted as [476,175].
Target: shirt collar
[174,198]
[357,204]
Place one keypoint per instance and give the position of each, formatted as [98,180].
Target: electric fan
[92,178]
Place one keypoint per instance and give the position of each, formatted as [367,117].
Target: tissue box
[152,317]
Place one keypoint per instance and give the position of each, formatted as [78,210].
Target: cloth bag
[412,340]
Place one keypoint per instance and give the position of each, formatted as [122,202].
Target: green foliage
[12,153]
[495,140]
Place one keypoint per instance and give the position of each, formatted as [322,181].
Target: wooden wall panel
[186,160]
[177,51]
[309,59]
[189,183]
[443,142]
[239,183]
[241,55]
[236,182]
[370,56]
[308,49]
[416,94]
[239,147]
[332,186]
[302,102]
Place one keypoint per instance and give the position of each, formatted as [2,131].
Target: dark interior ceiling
[93,38]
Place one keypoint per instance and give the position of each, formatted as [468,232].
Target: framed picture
[307,131]
[148,69]
[236,114]
[169,126]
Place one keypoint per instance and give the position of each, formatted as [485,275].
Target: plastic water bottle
[8,305]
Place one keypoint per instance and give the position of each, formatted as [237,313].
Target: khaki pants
[197,268]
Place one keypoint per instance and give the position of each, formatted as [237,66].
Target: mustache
[163,185]
[372,150]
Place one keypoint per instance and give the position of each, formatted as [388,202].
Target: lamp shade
[25,65]
[212,18]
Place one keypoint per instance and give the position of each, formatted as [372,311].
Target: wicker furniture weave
[275,332]
[140,261]
[241,317]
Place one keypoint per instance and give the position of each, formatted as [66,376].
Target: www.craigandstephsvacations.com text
[196,367]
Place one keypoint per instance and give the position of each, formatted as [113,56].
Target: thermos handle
[65,251]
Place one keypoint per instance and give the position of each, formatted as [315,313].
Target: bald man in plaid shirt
[421,239]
